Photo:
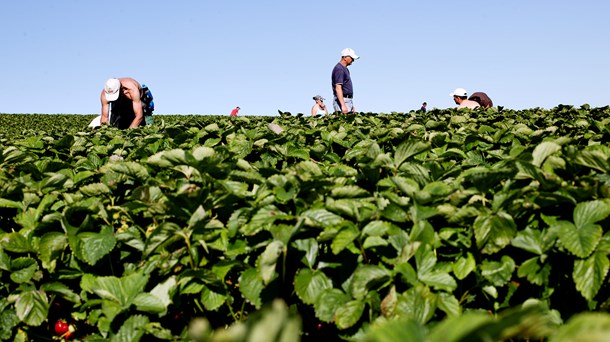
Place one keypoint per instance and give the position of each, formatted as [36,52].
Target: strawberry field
[439,226]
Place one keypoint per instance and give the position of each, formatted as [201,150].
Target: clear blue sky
[206,57]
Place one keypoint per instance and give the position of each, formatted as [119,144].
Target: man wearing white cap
[125,95]
[343,90]
[460,96]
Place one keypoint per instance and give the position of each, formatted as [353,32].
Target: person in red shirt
[235,111]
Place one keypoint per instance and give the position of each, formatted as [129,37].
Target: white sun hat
[111,89]
[349,52]
[458,92]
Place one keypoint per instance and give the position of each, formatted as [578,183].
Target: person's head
[424,104]
[318,99]
[459,95]
[348,56]
[237,108]
[112,89]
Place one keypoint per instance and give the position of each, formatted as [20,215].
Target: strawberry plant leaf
[529,240]
[374,241]
[463,266]
[409,149]
[498,272]
[251,287]
[267,261]
[439,280]
[128,168]
[132,330]
[427,273]
[62,290]
[395,213]
[311,249]
[5,261]
[349,313]
[377,228]
[594,159]
[57,181]
[588,326]
[589,274]
[211,299]
[425,258]
[348,191]
[23,269]
[95,189]
[149,303]
[579,241]
[300,153]
[164,290]
[198,217]
[8,321]
[263,218]
[407,272]
[95,246]
[328,302]
[32,307]
[50,247]
[417,303]
[308,170]
[200,153]
[367,277]
[543,150]
[6,203]
[344,238]
[586,213]
[322,218]
[121,291]
[15,242]
[449,304]
[493,232]
[309,284]
[534,273]
[404,330]
[388,304]
[165,233]
[169,158]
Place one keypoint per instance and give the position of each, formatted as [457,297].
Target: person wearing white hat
[460,97]
[125,96]
[343,90]
[319,108]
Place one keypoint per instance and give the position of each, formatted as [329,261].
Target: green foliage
[435,226]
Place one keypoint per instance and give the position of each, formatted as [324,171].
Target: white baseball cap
[111,89]
[349,52]
[458,92]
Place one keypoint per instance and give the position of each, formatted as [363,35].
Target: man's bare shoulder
[129,83]
[468,104]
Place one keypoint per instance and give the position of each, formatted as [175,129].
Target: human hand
[344,109]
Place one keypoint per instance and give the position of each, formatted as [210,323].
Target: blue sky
[206,57]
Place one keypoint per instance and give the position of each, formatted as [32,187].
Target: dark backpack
[148,105]
[482,99]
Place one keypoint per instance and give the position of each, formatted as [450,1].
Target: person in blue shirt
[343,90]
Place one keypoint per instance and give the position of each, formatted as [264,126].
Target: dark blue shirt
[341,76]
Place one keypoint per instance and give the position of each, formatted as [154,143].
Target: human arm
[132,91]
[339,92]
[105,109]
[323,107]
[314,109]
